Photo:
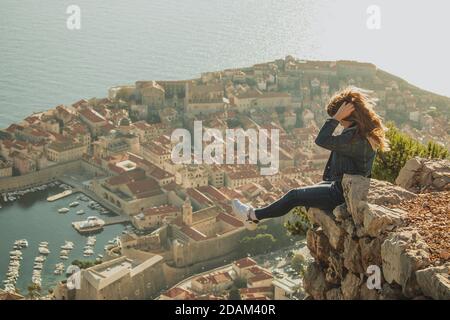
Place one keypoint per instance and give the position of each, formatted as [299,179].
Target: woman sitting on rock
[352,152]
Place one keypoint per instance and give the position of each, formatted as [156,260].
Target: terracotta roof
[230,220]
[129,176]
[193,233]
[167,209]
[213,193]
[260,277]
[177,292]
[255,290]
[198,196]
[92,116]
[144,188]
[245,263]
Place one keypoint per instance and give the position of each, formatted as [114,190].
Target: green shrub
[387,164]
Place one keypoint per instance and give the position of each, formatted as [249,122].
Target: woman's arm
[325,138]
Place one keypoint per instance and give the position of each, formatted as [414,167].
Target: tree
[85,264]
[234,294]
[388,164]
[298,263]
[301,224]
[240,283]
[259,244]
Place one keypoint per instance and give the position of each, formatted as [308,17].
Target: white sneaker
[242,212]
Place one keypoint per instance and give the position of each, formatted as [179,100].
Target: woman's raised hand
[344,111]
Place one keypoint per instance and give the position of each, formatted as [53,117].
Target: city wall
[48,174]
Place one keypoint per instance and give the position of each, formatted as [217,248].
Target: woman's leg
[323,195]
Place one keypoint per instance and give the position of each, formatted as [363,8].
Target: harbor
[52,242]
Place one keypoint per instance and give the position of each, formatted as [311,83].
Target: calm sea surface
[33,218]
[43,64]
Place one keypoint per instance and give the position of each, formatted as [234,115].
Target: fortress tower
[187,212]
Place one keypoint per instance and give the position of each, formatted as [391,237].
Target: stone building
[62,152]
[130,192]
[136,278]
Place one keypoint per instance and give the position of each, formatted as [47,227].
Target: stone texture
[334,294]
[318,245]
[351,286]
[340,213]
[314,282]
[391,292]
[356,190]
[385,193]
[378,219]
[381,224]
[402,254]
[370,252]
[435,282]
[329,225]
[369,294]
[421,174]
[407,173]
[335,272]
[352,255]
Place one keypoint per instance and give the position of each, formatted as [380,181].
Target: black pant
[325,195]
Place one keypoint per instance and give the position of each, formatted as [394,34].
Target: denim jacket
[349,153]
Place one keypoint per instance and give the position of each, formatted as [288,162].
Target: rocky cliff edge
[387,241]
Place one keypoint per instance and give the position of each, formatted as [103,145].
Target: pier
[60,195]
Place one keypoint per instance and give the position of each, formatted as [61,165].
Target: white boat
[80,212]
[63,257]
[43,250]
[64,252]
[88,252]
[74,204]
[39,259]
[67,247]
[38,266]
[63,210]
[23,243]
[43,244]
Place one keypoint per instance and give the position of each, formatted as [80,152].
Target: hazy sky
[413,41]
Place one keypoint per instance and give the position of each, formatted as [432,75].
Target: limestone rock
[391,292]
[378,219]
[351,286]
[356,189]
[370,252]
[329,225]
[318,245]
[368,294]
[314,282]
[435,282]
[352,255]
[340,212]
[385,193]
[334,294]
[423,174]
[335,271]
[402,254]
[349,227]
[406,176]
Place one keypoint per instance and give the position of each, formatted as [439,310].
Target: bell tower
[187,212]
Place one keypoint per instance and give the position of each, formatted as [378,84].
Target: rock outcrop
[365,250]
[421,174]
